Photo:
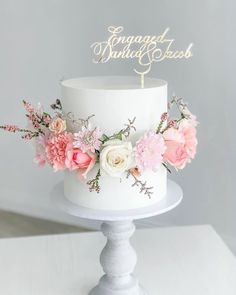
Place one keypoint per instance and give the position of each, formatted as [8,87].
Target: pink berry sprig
[38,119]
[29,134]
[164,117]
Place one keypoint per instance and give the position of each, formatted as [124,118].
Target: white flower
[116,157]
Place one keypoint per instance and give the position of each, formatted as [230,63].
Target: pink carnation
[149,151]
[76,159]
[56,149]
[181,144]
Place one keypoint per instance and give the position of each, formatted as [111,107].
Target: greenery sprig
[143,188]
[94,183]
[129,127]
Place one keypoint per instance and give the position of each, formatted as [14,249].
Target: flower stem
[94,183]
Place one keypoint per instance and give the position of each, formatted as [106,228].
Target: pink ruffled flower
[88,139]
[56,147]
[189,131]
[76,159]
[181,144]
[149,151]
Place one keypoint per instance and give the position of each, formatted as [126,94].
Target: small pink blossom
[172,123]
[149,151]
[10,128]
[56,149]
[33,121]
[88,139]
[46,118]
[76,159]
[181,144]
[164,116]
[28,136]
[28,107]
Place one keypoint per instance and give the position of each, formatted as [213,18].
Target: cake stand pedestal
[118,258]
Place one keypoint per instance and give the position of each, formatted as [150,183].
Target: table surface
[179,260]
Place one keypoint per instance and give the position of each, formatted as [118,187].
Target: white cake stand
[118,258]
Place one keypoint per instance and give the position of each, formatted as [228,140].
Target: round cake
[112,101]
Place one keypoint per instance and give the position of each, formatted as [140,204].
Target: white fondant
[114,100]
[116,193]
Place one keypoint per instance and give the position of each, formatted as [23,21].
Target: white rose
[116,157]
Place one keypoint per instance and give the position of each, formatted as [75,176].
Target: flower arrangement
[173,143]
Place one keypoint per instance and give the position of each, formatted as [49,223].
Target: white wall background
[43,41]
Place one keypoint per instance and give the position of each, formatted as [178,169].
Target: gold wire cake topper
[147,49]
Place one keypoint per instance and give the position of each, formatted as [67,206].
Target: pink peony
[149,151]
[56,147]
[181,144]
[76,159]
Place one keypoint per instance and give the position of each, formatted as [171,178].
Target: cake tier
[114,100]
[116,193]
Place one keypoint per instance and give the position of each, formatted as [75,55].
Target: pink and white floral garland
[173,143]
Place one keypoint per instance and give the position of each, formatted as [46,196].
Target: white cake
[114,100]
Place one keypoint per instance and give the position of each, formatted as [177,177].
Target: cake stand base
[118,258]
[99,290]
